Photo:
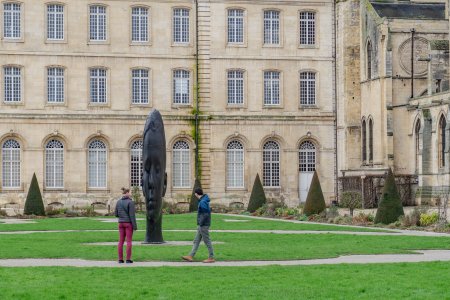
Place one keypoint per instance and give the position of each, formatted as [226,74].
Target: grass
[377,281]
[236,246]
[183,221]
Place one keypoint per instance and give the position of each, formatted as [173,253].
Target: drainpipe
[413,31]
[335,105]
[197,89]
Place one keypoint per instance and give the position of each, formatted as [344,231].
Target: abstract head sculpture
[154,178]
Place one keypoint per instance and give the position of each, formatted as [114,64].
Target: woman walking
[127,224]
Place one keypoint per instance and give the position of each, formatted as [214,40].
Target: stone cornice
[67,118]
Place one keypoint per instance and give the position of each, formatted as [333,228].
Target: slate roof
[396,10]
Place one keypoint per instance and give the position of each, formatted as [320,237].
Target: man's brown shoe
[188,258]
[209,260]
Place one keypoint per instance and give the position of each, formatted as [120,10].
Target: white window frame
[98,85]
[272,88]
[307,156]
[181,164]
[11,164]
[235,165]
[55,85]
[272,27]
[308,88]
[12,21]
[236,26]
[140,86]
[181,87]
[136,167]
[98,23]
[12,84]
[54,164]
[235,87]
[55,22]
[140,24]
[307,28]
[97,164]
[181,26]
[271,164]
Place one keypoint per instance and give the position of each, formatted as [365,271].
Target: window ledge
[10,103]
[50,42]
[309,107]
[308,47]
[236,45]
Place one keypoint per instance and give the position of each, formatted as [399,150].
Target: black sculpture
[154,178]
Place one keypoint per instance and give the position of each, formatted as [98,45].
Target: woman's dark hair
[198,191]
[125,190]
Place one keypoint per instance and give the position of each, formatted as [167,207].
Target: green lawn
[237,246]
[372,281]
[183,221]
[378,281]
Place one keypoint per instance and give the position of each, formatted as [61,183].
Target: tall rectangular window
[181,165]
[97,23]
[55,22]
[98,85]
[235,87]
[235,26]
[139,24]
[181,93]
[140,86]
[11,21]
[271,27]
[11,164]
[271,88]
[180,25]
[307,88]
[55,85]
[307,28]
[12,84]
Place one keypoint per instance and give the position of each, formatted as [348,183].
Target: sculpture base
[153,242]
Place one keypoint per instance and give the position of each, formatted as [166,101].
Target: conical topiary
[193,204]
[315,203]
[390,207]
[34,204]
[257,197]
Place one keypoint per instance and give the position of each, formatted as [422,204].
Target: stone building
[78,79]
[390,109]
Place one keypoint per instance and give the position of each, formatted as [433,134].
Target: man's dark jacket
[204,211]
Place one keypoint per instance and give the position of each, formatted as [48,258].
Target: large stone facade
[94,172]
[394,105]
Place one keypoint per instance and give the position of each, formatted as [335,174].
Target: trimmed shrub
[315,203]
[34,204]
[136,195]
[193,204]
[390,208]
[257,197]
[351,200]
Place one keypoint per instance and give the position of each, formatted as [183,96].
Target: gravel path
[390,233]
[418,256]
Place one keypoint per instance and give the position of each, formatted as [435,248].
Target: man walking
[203,222]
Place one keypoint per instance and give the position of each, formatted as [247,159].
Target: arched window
[54,164]
[369,60]
[235,165]
[97,160]
[271,164]
[364,141]
[307,157]
[441,148]
[417,144]
[370,140]
[11,164]
[181,165]
[136,163]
